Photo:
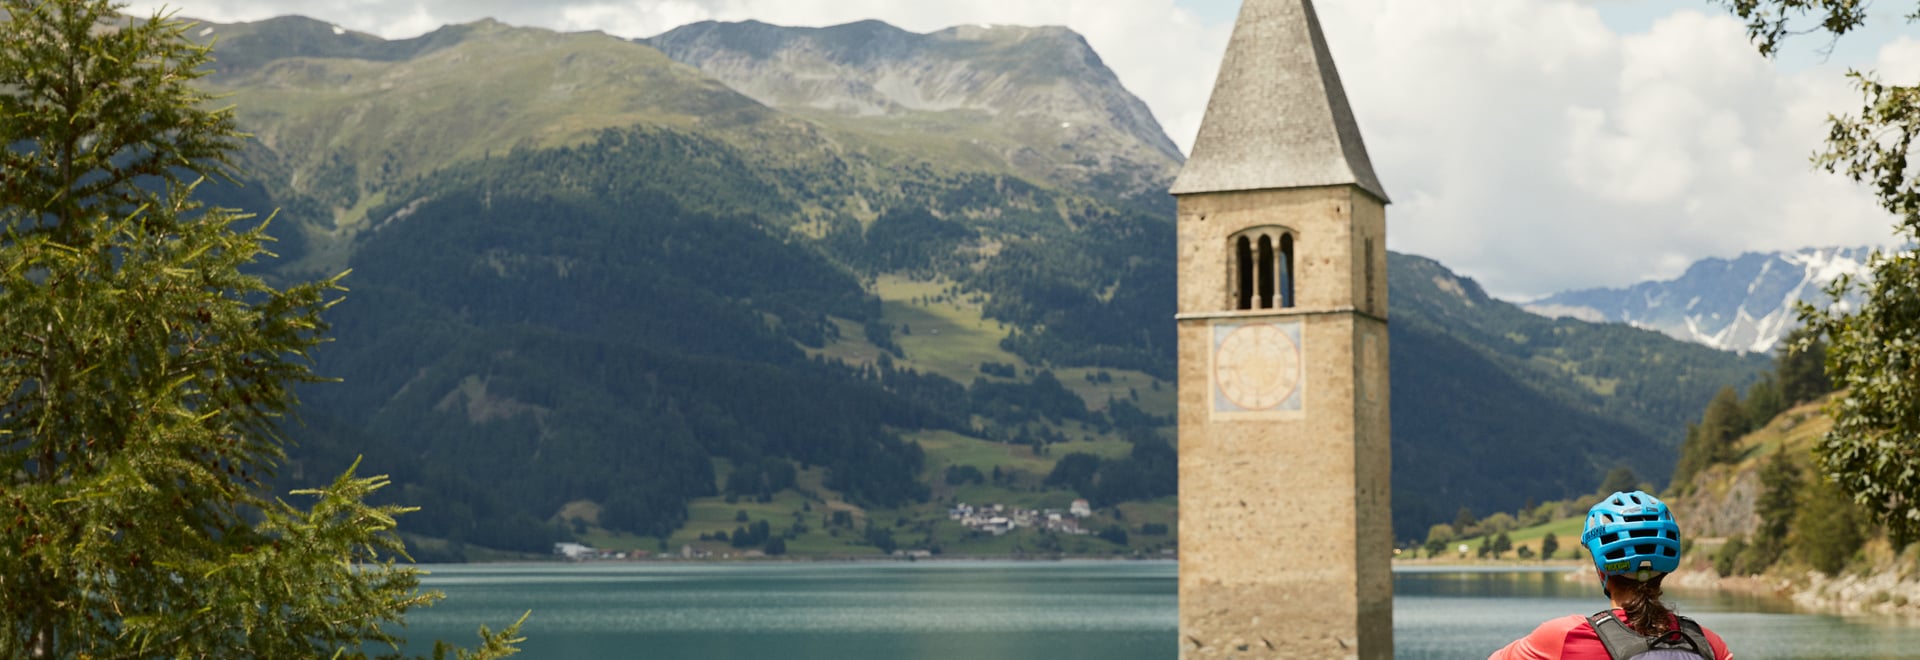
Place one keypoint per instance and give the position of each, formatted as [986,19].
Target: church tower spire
[1278,117]
[1285,518]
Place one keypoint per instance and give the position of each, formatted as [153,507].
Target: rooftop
[1278,117]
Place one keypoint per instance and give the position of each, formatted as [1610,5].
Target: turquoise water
[816,610]
[1452,613]
[1014,610]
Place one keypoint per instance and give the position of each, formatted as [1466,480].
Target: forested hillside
[1494,406]
[596,294]
[618,307]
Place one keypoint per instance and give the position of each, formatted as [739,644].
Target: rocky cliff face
[1743,304]
[1039,96]
[1724,504]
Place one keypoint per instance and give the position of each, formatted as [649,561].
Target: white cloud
[1528,143]
[1535,148]
[1900,59]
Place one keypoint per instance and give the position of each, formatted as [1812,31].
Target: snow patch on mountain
[1743,304]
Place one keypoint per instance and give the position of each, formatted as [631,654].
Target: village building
[574,551]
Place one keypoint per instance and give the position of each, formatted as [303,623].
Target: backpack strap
[1695,636]
[1621,641]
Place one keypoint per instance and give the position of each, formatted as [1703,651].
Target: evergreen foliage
[1146,473]
[1557,403]
[1437,538]
[1802,367]
[1828,528]
[144,376]
[880,537]
[1869,451]
[1620,479]
[558,346]
[1763,400]
[1726,561]
[760,477]
[1464,520]
[1778,504]
[961,475]
[1713,440]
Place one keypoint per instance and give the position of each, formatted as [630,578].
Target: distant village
[998,519]
[995,519]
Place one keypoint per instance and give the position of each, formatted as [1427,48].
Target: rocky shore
[1885,593]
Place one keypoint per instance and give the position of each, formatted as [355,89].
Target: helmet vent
[1609,538]
[1645,549]
[1616,553]
[1669,552]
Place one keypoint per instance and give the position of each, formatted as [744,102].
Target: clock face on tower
[1257,368]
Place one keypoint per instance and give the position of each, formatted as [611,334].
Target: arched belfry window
[1262,276]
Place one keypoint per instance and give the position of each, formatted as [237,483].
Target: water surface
[1024,610]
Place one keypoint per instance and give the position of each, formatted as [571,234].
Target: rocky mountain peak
[1039,94]
[242,48]
[1744,304]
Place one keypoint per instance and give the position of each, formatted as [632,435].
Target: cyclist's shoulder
[1548,641]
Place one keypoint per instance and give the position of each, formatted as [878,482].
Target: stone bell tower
[1285,531]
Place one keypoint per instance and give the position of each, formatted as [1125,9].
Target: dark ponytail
[1641,601]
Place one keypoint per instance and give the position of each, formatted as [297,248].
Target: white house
[1080,508]
[999,525]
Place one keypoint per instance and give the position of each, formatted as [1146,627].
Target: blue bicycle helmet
[1632,534]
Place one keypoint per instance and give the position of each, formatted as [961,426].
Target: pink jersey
[1571,638]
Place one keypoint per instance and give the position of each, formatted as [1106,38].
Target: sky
[1535,145]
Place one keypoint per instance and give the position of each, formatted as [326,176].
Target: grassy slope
[952,339]
[541,89]
[349,123]
[1796,430]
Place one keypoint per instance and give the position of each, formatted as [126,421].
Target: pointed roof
[1278,117]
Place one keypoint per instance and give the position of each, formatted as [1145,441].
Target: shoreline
[815,559]
[1885,595]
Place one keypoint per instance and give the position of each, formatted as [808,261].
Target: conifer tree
[1801,363]
[144,376]
[1780,488]
[1713,441]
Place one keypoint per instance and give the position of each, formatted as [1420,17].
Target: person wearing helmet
[1634,543]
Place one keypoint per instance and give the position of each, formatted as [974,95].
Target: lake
[1050,610]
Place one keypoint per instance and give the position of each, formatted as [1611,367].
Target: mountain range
[622,290]
[1742,304]
[1038,98]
